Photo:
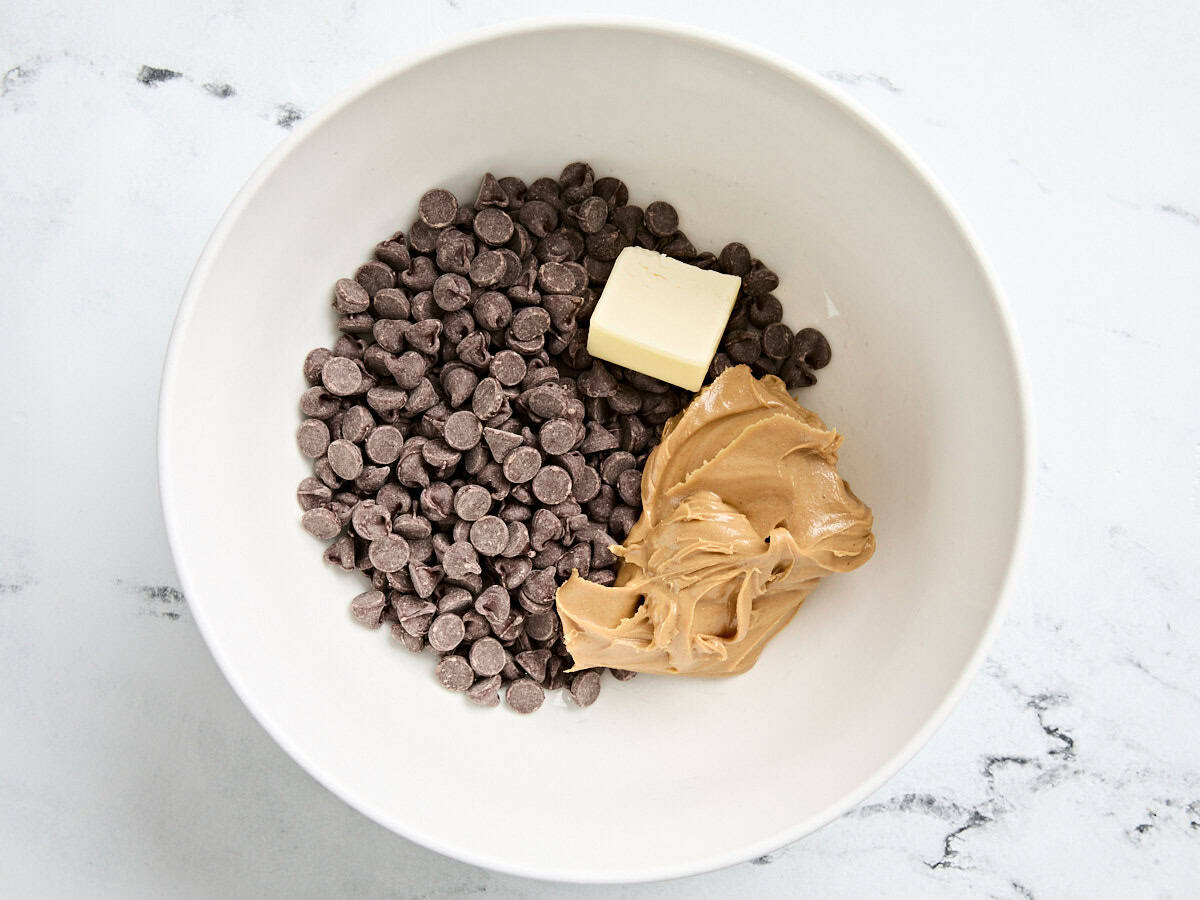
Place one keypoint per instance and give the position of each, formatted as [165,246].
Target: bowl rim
[753,54]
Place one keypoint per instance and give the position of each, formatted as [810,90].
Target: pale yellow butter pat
[661,316]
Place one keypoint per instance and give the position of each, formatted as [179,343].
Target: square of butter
[661,316]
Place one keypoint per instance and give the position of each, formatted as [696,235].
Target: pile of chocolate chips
[468,453]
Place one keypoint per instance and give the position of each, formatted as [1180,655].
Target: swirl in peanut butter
[743,512]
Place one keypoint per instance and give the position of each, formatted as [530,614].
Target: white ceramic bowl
[661,777]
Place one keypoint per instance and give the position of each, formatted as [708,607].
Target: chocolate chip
[629,487]
[734,259]
[350,297]
[311,493]
[812,346]
[313,438]
[585,687]
[488,398]
[542,626]
[389,553]
[463,430]
[508,368]
[777,341]
[522,464]
[598,438]
[455,673]
[472,502]
[321,523]
[437,208]
[524,696]
[375,277]
[576,182]
[538,589]
[394,253]
[341,376]
[494,604]
[597,381]
[764,310]
[590,215]
[425,578]
[552,485]
[759,280]
[612,191]
[454,600]
[534,663]
[661,219]
[557,436]
[491,193]
[371,521]
[605,244]
[489,535]
[487,657]
[538,217]
[621,521]
[446,632]
[345,459]
[493,310]
[367,608]
[493,226]
[460,559]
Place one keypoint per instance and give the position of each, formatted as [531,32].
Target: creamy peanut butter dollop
[743,512]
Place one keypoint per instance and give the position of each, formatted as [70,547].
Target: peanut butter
[743,512]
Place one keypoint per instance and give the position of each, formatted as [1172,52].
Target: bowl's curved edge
[759,55]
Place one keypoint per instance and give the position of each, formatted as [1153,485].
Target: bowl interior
[660,777]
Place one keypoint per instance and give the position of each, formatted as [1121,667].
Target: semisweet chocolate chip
[493,226]
[367,608]
[394,253]
[661,219]
[487,657]
[777,341]
[621,521]
[311,493]
[460,559]
[389,553]
[743,345]
[345,459]
[734,259]
[446,632]
[538,217]
[590,214]
[524,696]
[420,275]
[558,436]
[375,277]
[489,535]
[494,604]
[463,430]
[759,280]
[812,346]
[508,367]
[313,438]
[534,663]
[764,310]
[629,487]
[341,376]
[493,311]
[350,297]
[576,182]
[371,521]
[552,485]
[611,190]
[472,502]
[437,208]
[314,362]
[605,244]
[455,673]
[522,464]
[321,523]
[491,193]
[585,687]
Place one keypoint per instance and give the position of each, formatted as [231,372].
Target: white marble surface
[1070,133]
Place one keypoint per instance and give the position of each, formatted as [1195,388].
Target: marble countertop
[1068,132]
